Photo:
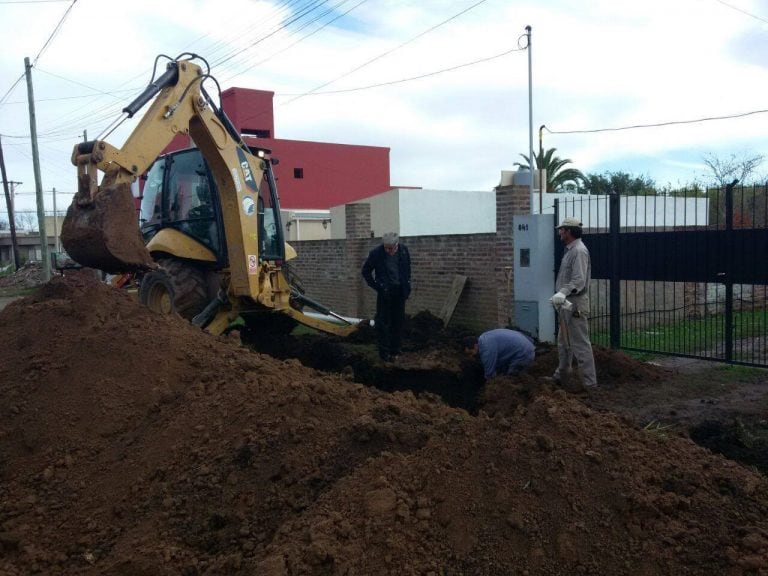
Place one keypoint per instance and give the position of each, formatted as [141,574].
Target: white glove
[558,299]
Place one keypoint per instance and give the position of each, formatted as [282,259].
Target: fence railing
[682,274]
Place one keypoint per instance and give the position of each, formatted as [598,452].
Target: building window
[298,173]
[257,133]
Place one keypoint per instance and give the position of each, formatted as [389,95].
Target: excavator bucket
[102,231]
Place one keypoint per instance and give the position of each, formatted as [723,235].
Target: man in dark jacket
[388,271]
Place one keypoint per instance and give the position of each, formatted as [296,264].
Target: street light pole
[530,114]
[541,170]
[55,224]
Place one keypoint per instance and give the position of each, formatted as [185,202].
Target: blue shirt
[504,351]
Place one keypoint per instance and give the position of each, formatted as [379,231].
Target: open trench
[457,387]
[744,440]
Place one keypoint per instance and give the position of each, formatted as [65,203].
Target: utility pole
[530,114]
[38,178]
[9,205]
[85,135]
[541,169]
[55,224]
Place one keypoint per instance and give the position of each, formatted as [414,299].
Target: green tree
[558,177]
[622,182]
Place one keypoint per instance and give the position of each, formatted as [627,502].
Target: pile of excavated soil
[133,444]
[28,276]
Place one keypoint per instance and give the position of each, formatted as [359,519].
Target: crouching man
[501,351]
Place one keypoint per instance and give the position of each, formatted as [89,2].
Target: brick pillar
[358,231]
[510,201]
[358,221]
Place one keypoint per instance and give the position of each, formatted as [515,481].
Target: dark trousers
[390,312]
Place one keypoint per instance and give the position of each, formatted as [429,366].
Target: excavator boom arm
[180,107]
[101,229]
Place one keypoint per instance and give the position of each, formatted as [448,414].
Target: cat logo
[246,171]
[245,166]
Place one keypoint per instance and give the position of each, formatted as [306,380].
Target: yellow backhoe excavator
[209,241]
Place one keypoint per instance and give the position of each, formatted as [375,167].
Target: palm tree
[557,177]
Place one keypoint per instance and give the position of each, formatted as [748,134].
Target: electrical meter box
[533,238]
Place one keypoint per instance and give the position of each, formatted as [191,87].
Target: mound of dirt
[28,276]
[133,444]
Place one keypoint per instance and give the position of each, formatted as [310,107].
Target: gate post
[728,280]
[615,287]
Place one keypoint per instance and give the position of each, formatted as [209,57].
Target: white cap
[570,222]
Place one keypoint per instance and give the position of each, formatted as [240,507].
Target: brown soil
[134,444]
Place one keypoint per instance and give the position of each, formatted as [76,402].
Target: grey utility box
[534,274]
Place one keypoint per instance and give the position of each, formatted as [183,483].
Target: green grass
[16,291]
[690,335]
[302,330]
[734,372]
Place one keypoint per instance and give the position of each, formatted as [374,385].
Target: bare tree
[725,170]
[25,221]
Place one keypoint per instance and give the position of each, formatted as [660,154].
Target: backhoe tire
[176,287]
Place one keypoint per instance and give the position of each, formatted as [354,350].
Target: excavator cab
[180,194]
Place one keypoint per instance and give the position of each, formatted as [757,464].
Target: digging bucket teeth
[102,232]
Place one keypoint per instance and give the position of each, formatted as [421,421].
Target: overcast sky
[442,83]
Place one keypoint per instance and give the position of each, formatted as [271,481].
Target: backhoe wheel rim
[160,300]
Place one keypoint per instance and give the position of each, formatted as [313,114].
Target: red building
[310,175]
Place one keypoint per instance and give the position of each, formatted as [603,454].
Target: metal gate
[682,274]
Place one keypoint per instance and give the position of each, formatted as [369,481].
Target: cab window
[190,202]
[151,213]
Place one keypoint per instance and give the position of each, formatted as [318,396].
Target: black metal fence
[683,273]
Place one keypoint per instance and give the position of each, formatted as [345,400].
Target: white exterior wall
[635,211]
[338,223]
[432,212]
[385,212]
[419,212]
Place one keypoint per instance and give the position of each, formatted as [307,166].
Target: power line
[383,54]
[102,113]
[250,28]
[742,11]
[306,10]
[315,31]
[658,124]
[22,136]
[70,97]
[55,31]
[76,82]
[8,93]
[47,42]
[427,75]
